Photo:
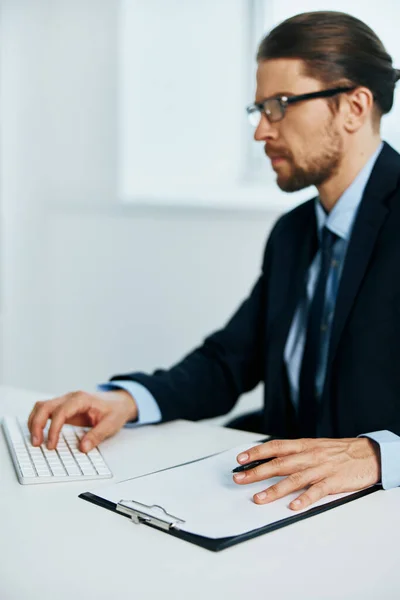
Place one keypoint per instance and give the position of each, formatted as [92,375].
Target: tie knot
[327,239]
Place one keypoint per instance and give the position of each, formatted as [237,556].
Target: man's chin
[289,185]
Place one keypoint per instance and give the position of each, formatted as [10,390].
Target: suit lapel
[372,213]
[295,265]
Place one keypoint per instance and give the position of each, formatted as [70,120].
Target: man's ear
[359,107]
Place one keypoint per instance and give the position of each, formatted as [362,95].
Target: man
[321,327]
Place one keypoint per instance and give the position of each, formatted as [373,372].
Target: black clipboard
[155,516]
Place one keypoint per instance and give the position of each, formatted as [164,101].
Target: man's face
[306,146]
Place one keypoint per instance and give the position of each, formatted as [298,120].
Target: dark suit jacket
[362,387]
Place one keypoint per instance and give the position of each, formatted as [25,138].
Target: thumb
[103,430]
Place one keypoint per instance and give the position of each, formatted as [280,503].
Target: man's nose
[265,130]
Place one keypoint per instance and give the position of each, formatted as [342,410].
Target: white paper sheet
[205,496]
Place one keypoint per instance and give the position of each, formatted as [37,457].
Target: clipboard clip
[152,515]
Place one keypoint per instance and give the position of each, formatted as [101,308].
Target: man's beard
[317,169]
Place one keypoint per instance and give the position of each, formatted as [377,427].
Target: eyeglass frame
[285,101]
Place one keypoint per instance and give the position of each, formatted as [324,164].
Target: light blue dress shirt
[340,221]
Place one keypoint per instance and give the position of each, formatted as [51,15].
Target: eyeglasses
[275,108]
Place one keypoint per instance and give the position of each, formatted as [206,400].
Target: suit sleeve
[208,381]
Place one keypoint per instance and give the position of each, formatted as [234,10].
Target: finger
[39,417]
[286,465]
[288,485]
[75,404]
[276,448]
[33,412]
[105,428]
[313,494]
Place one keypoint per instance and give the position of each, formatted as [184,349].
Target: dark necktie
[308,401]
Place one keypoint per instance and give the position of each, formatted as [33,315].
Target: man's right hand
[105,412]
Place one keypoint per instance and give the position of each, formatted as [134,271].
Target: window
[186,71]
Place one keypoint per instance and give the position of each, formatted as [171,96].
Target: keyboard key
[73,470]
[103,471]
[59,471]
[26,472]
[43,471]
[88,469]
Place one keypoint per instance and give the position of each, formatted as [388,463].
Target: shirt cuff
[389,445]
[148,409]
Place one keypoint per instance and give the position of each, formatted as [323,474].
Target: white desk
[55,545]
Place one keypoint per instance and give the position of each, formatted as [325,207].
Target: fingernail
[35,440]
[296,502]
[243,457]
[262,495]
[86,446]
[239,476]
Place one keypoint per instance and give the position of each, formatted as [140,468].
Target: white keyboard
[37,464]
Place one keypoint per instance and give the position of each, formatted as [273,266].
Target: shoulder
[302,215]
[293,222]
[289,227]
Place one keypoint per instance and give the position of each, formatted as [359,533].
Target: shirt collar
[341,218]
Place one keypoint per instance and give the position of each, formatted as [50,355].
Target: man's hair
[336,49]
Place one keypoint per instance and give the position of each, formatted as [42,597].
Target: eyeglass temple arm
[320,94]
[293,99]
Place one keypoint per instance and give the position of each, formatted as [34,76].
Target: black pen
[251,465]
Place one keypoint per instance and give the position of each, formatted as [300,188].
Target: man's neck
[352,163]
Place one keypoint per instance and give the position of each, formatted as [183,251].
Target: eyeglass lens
[272,108]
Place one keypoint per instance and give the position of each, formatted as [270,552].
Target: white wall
[90,287]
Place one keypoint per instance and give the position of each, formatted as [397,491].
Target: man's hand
[323,465]
[106,412]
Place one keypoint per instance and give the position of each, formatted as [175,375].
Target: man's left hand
[324,466]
